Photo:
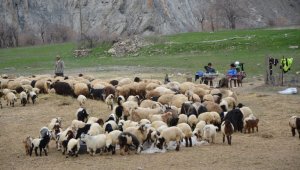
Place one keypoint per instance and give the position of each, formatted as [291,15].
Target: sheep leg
[298,132]
[186,142]
[30,151]
[256,128]
[40,151]
[45,150]
[224,138]
[190,142]
[35,150]
[178,145]
[229,139]
[293,131]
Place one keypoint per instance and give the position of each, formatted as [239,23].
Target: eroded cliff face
[145,17]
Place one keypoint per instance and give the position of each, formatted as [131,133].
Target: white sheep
[94,142]
[182,118]
[157,124]
[147,103]
[113,124]
[81,88]
[145,122]
[76,124]
[95,129]
[54,121]
[11,98]
[246,111]
[209,117]
[23,98]
[209,133]
[178,99]
[170,134]
[192,121]
[110,101]
[198,131]
[139,113]
[92,120]
[73,147]
[81,99]
[140,132]
[126,124]
[112,140]
[186,129]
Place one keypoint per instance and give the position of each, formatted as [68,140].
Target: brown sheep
[251,124]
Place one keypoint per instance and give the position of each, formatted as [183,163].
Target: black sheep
[128,141]
[82,115]
[108,128]
[235,116]
[83,130]
[188,109]
[97,94]
[114,82]
[201,109]
[62,88]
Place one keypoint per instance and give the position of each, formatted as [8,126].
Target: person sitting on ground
[210,70]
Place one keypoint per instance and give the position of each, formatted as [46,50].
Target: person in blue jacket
[232,74]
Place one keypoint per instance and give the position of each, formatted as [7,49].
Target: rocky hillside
[146,17]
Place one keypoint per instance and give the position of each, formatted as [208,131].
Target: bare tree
[231,10]
[42,29]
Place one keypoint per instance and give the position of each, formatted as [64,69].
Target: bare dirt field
[273,147]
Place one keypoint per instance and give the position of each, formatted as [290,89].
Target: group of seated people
[235,74]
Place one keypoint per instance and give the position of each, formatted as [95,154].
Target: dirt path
[272,147]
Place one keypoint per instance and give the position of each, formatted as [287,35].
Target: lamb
[94,142]
[186,129]
[73,147]
[62,137]
[56,130]
[192,121]
[68,136]
[23,97]
[170,134]
[128,141]
[11,98]
[198,131]
[110,101]
[112,140]
[82,114]
[227,130]
[81,99]
[42,142]
[209,132]
[27,144]
[54,121]
[250,123]
[294,123]
[33,96]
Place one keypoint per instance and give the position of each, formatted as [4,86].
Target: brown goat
[27,144]
[251,124]
[227,130]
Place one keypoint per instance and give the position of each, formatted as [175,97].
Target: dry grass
[272,147]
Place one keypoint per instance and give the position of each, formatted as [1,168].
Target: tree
[42,29]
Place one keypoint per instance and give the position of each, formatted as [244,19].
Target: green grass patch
[187,51]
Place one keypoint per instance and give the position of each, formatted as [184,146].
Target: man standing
[59,66]
[209,70]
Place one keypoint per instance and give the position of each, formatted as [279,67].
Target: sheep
[82,114]
[224,105]
[294,123]
[62,88]
[246,111]
[43,84]
[94,142]
[112,140]
[135,98]
[186,129]
[109,89]
[62,137]
[81,88]
[170,134]
[157,124]
[110,101]
[140,132]
[68,136]
[231,102]
[182,118]
[92,120]
[73,147]
[198,131]
[95,129]
[227,130]
[192,121]
[54,121]
[11,99]
[81,99]
[139,113]
[35,90]
[188,109]
[56,130]
[97,94]
[207,117]
[212,107]
[23,98]
[209,132]
[124,81]
[76,124]
[128,141]
[32,95]
[110,126]
[127,107]
[163,117]
[250,123]
[208,97]
[125,124]
[178,99]
[166,98]
[42,142]
[235,117]
[147,103]
[27,144]
[145,122]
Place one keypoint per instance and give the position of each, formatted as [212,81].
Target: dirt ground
[273,147]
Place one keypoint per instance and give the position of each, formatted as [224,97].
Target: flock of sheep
[142,111]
